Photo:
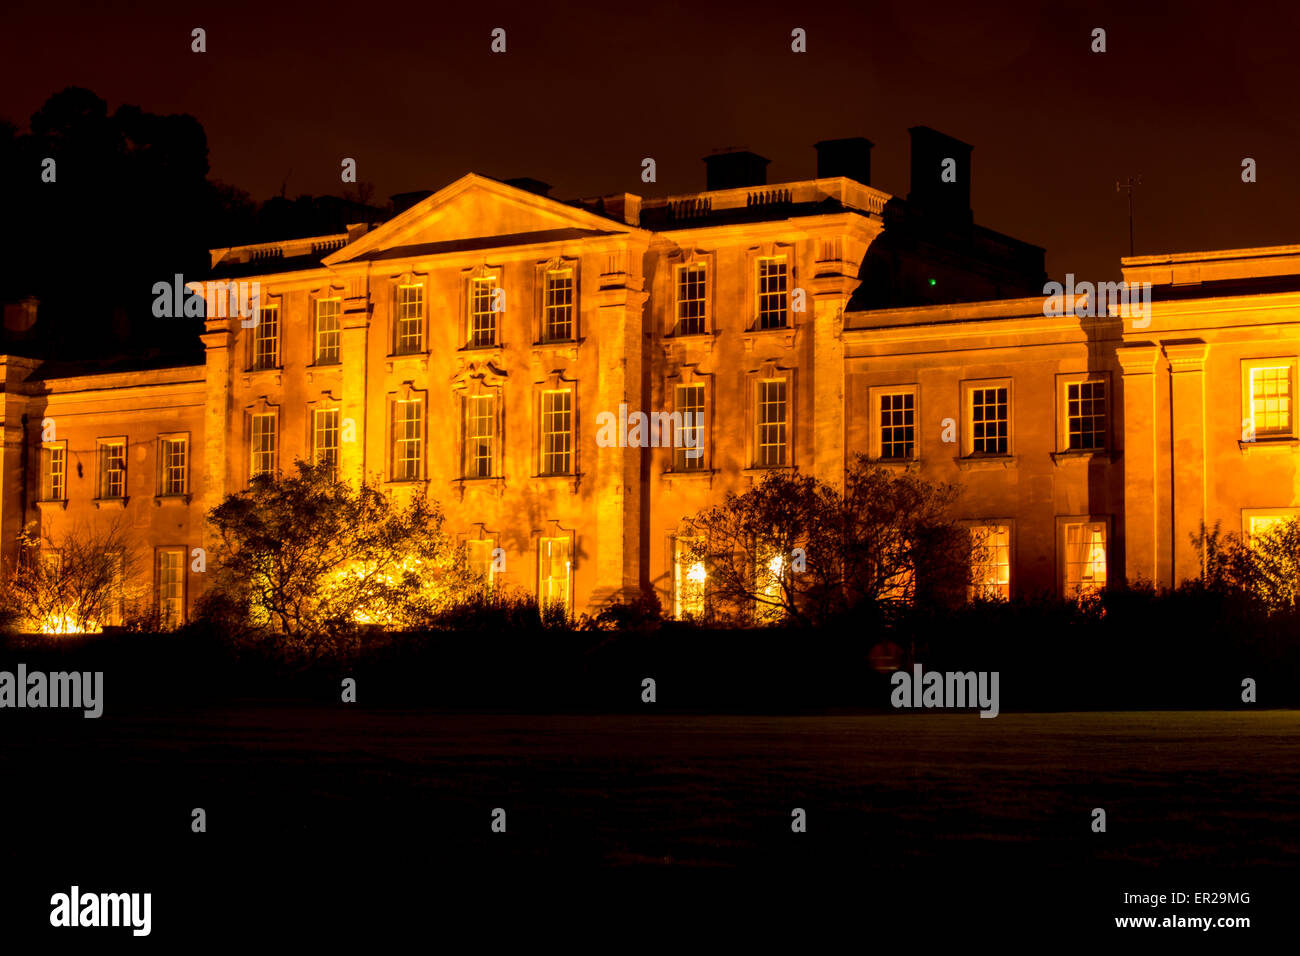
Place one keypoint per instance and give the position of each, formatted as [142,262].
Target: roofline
[1169,258]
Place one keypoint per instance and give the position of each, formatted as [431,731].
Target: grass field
[889,798]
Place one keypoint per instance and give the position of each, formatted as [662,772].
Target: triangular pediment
[475,212]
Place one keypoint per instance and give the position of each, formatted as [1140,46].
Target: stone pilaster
[1187,426]
[354,344]
[1141,494]
[830,296]
[617,489]
[212,453]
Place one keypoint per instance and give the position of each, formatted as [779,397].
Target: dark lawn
[313,797]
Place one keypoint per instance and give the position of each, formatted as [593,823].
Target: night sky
[1184,92]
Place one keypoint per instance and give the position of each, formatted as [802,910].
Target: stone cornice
[1187,356]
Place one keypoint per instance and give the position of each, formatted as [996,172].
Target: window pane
[480,435]
[1270,400]
[1085,557]
[410,319]
[408,439]
[689,578]
[327,331]
[557,423]
[554,570]
[689,454]
[325,438]
[557,322]
[262,455]
[897,425]
[112,469]
[54,472]
[171,588]
[174,464]
[991,562]
[266,338]
[771,293]
[482,319]
[772,423]
[690,300]
[478,553]
[989,420]
[1086,415]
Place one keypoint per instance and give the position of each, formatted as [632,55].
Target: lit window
[408,439]
[1086,415]
[266,338]
[770,571]
[1085,558]
[689,453]
[325,438]
[554,574]
[989,420]
[327,331]
[116,600]
[991,562]
[557,438]
[772,423]
[480,560]
[173,464]
[1270,401]
[772,302]
[54,471]
[1263,524]
[690,299]
[482,316]
[480,435]
[689,579]
[897,424]
[112,468]
[557,320]
[410,320]
[171,587]
[262,444]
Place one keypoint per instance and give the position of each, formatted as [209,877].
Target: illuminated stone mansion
[465,348]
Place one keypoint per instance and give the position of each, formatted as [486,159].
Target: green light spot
[934,282]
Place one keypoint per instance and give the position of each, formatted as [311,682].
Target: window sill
[52,504]
[494,347]
[894,462]
[766,469]
[160,501]
[113,504]
[986,462]
[405,482]
[694,474]
[1264,446]
[1076,455]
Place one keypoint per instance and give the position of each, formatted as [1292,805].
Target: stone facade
[468,348]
